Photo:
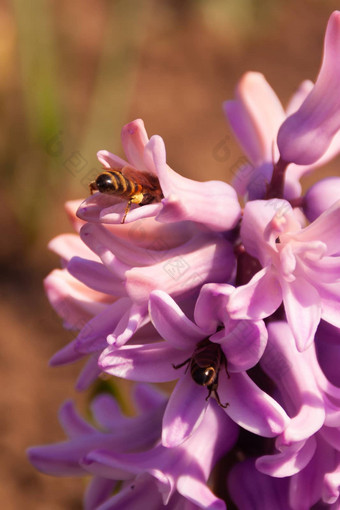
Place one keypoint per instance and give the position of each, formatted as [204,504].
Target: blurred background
[71,75]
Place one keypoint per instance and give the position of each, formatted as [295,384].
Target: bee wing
[145,179]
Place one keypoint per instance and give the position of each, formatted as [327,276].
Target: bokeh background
[71,74]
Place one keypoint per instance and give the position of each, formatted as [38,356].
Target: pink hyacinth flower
[300,268]
[183,197]
[242,343]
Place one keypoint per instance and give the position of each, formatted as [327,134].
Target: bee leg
[226,369]
[93,187]
[127,209]
[186,362]
[218,400]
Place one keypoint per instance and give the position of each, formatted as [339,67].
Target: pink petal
[73,424]
[255,117]
[211,306]
[303,310]
[134,139]
[89,373]
[183,197]
[325,228]
[252,490]
[184,412]
[171,323]
[95,276]
[243,345]
[135,317]
[109,160]
[288,462]
[199,493]
[147,363]
[250,407]
[305,136]
[257,299]
[322,195]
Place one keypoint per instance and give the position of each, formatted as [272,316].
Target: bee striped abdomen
[115,183]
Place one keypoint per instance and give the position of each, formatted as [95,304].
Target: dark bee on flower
[135,186]
[205,365]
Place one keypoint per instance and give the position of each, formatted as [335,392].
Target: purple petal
[148,363]
[325,228]
[141,492]
[95,276]
[184,412]
[183,197]
[305,136]
[257,299]
[211,306]
[199,493]
[134,317]
[204,258]
[322,195]
[72,423]
[92,336]
[252,490]
[288,462]
[147,397]
[134,139]
[171,323]
[255,117]
[97,491]
[243,345]
[250,407]
[303,310]
[89,373]
[109,160]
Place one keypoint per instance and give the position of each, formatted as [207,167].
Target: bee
[205,365]
[135,186]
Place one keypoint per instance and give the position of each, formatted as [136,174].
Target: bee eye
[204,376]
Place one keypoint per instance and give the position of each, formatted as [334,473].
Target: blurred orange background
[71,75]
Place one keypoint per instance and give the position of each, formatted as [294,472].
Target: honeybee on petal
[205,365]
[133,185]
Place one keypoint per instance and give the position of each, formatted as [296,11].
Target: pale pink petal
[255,117]
[72,300]
[211,306]
[72,423]
[325,228]
[257,299]
[250,407]
[183,197]
[303,309]
[184,412]
[144,363]
[171,323]
[199,493]
[95,276]
[243,345]
[134,139]
[305,136]
[109,160]
[89,373]
[288,462]
[135,317]
[322,195]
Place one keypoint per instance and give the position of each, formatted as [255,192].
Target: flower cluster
[168,279]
